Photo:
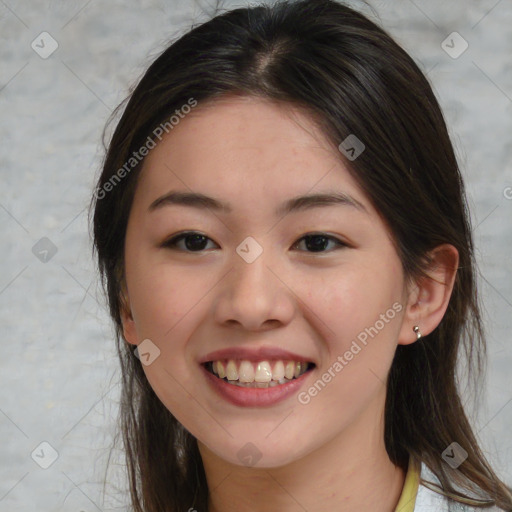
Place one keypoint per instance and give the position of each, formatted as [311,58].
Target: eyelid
[338,241]
[170,243]
[177,237]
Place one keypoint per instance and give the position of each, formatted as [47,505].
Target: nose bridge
[252,294]
[251,277]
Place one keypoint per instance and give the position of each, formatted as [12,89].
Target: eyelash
[172,242]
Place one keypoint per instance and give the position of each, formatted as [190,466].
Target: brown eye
[317,242]
[194,242]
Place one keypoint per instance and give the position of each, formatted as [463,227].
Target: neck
[350,473]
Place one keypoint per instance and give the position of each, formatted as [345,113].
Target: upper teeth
[246,371]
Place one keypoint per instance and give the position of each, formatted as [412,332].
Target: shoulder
[428,500]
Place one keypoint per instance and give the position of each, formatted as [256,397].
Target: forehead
[246,123]
[246,149]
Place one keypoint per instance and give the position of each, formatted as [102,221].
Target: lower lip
[254,397]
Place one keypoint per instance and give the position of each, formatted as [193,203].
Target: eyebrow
[299,203]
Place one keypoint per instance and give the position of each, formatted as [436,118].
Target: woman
[282,230]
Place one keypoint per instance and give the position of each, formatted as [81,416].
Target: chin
[259,455]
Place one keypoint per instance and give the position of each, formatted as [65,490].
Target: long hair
[351,77]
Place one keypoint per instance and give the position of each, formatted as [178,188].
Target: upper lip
[254,354]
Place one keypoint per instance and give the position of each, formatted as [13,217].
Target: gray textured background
[58,370]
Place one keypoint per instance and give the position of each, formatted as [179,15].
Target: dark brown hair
[351,77]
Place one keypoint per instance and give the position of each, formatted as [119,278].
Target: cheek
[360,342]
[161,296]
[166,303]
[353,300]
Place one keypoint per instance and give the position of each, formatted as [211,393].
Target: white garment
[428,500]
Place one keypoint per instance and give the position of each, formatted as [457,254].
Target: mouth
[258,374]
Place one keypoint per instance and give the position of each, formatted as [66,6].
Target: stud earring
[416,329]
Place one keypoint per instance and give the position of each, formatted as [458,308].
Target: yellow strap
[410,490]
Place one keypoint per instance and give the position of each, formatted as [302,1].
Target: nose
[255,296]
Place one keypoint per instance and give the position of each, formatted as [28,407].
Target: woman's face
[252,285]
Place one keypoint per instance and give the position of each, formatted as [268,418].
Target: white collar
[428,500]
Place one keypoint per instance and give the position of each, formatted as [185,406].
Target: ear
[429,297]
[129,329]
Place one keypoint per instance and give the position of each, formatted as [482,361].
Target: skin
[330,453]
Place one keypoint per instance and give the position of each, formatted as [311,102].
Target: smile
[261,374]
[256,384]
